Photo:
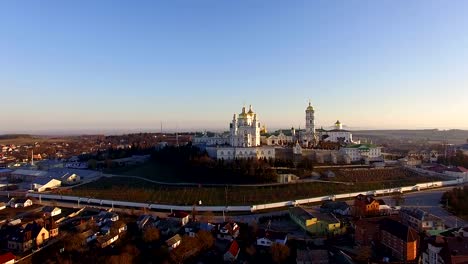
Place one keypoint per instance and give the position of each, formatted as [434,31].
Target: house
[228,231]
[317,223]
[21,202]
[7,258]
[287,178]
[173,242]
[401,241]
[192,228]
[168,226]
[104,241]
[52,227]
[232,253]
[420,219]
[41,184]
[302,217]
[317,256]
[268,237]
[337,208]
[181,217]
[67,178]
[444,250]
[366,205]
[39,234]
[50,211]
[88,236]
[367,230]
[20,240]
[384,209]
[144,221]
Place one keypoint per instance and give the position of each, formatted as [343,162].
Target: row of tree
[455,200]
[459,159]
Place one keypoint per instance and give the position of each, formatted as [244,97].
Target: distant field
[129,189]
[454,136]
[31,140]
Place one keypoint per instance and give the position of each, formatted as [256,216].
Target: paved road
[430,201]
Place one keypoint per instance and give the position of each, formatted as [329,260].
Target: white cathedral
[242,142]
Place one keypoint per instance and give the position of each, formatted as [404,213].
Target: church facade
[243,142]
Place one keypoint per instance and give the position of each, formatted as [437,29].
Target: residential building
[181,217]
[420,220]
[267,237]
[21,202]
[52,227]
[39,234]
[105,241]
[337,208]
[367,230]
[20,240]
[228,231]
[445,250]
[50,211]
[401,241]
[287,178]
[316,223]
[365,205]
[173,242]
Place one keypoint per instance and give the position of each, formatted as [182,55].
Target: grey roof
[300,213]
[49,209]
[418,214]
[21,200]
[330,205]
[42,180]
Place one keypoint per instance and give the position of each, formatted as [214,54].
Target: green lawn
[150,170]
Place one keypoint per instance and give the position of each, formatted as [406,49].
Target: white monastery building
[359,152]
[246,139]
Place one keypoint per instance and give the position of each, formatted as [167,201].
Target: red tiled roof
[178,214]
[6,257]
[234,248]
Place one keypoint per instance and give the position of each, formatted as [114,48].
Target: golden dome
[310,107]
[250,110]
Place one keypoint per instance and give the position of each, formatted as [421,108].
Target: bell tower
[310,119]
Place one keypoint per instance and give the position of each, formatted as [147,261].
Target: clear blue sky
[99,65]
